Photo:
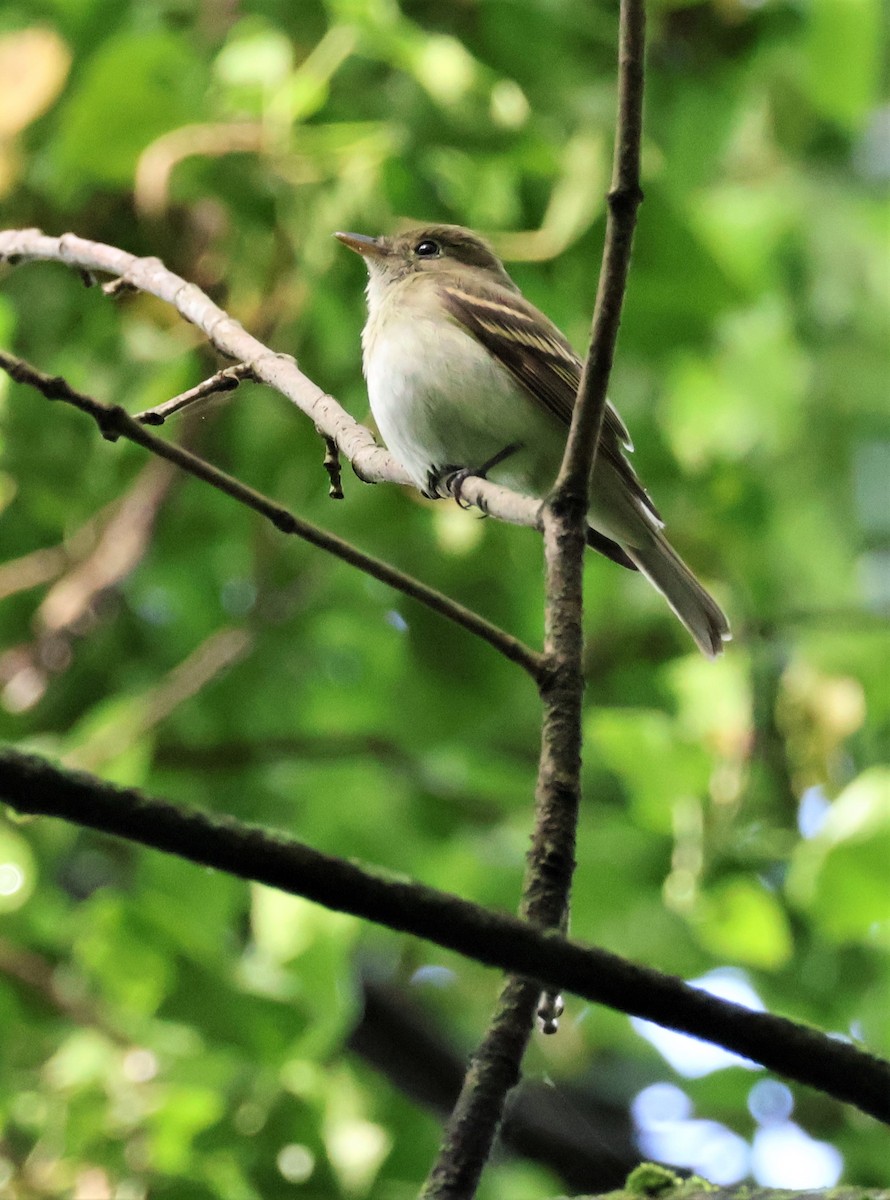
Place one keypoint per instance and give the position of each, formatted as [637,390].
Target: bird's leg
[551,1006]
[452,479]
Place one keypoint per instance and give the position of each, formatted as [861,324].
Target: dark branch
[625,197]
[114,422]
[32,785]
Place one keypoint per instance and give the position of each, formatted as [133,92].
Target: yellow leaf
[34,64]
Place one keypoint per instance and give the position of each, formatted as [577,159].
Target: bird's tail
[698,611]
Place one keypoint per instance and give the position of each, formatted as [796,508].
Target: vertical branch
[546,896]
[625,197]
[551,860]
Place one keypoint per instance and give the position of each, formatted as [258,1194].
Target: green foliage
[649,1179]
[164,1028]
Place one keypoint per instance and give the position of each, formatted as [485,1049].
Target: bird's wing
[541,360]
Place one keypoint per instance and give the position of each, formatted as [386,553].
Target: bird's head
[431,249]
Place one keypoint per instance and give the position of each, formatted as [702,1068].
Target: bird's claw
[454,483]
[448,481]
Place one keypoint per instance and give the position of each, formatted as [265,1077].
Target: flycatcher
[466,377]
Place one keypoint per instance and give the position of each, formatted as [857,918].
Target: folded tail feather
[698,611]
[603,545]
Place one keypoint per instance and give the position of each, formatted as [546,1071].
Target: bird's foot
[454,481]
[450,480]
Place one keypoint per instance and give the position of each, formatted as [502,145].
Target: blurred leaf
[255,58]
[739,920]
[85,1057]
[33,65]
[746,398]
[137,86]
[714,700]
[843,67]
[658,767]
[133,971]
[840,875]
[185,1112]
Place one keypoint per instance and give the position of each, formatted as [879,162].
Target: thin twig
[120,543]
[472,1127]
[34,569]
[625,197]
[115,422]
[93,562]
[225,380]
[32,785]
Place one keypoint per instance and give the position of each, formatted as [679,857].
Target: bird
[466,377]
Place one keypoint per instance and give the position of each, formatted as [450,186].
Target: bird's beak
[368,247]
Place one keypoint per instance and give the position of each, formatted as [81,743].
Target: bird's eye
[427,249]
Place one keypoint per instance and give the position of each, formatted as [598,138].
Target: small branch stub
[332,466]
[118,287]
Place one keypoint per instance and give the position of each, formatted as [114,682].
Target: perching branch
[495,1067]
[370,462]
[32,785]
[115,422]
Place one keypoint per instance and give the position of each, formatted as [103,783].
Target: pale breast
[441,400]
